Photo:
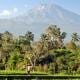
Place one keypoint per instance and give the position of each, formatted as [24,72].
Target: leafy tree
[55,35]
[75,37]
[15,58]
[6,46]
[25,41]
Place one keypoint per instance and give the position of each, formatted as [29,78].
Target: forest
[50,53]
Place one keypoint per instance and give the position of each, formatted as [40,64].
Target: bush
[2,66]
[51,69]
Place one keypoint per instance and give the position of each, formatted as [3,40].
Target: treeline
[48,54]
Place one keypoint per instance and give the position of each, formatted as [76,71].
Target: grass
[4,72]
[18,72]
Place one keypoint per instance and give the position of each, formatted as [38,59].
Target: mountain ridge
[38,18]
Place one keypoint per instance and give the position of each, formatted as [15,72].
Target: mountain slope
[39,17]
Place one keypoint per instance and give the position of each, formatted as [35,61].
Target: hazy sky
[9,7]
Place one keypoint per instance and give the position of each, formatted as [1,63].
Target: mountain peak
[37,19]
[43,7]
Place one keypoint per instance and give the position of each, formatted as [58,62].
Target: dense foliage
[49,53]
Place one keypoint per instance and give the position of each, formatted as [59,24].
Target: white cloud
[8,13]
[5,13]
[15,10]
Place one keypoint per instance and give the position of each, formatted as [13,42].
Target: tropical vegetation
[50,53]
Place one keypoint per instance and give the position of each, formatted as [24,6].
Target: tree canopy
[49,53]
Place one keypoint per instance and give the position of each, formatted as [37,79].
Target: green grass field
[18,72]
[15,74]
